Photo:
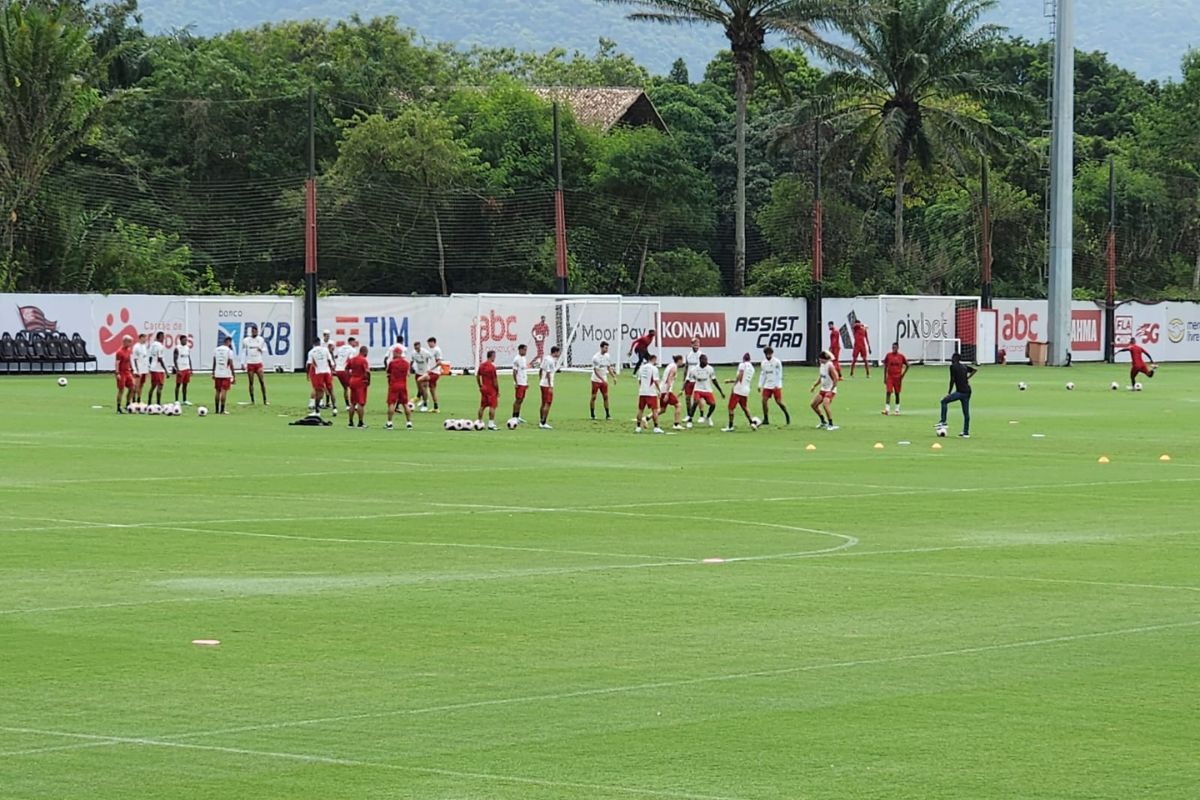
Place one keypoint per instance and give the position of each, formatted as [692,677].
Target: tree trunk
[899,167]
[739,234]
[441,246]
[642,266]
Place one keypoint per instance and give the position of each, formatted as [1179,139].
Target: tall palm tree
[746,24]
[915,91]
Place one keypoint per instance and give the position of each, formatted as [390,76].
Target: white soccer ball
[1070,386]
[448,424]
[176,409]
[1137,387]
[1114,386]
[755,422]
[477,425]
[1022,386]
[412,406]
[62,381]
[941,432]
[154,408]
[201,412]
[513,423]
[461,424]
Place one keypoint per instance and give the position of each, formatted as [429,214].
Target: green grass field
[526,615]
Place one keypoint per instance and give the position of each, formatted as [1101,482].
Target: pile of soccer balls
[463,424]
[154,409]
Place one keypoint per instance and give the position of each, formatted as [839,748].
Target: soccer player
[691,361]
[835,347]
[540,333]
[641,348]
[740,394]
[704,380]
[648,391]
[666,385]
[158,366]
[1137,363]
[320,374]
[125,381]
[397,374]
[959,392]
[342,356]
[435,371]
[422,363]
[546,382]
[770,382]
[520,373]
[827,380]
[182,359]
[254,348]
[895,367]
[223,368]
[489,389]
[329,400]
[862,347]
[141,366]
[602,367]
[359,370]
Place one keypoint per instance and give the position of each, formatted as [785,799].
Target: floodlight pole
[1062,189]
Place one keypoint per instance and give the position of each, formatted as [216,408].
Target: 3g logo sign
[1148,332]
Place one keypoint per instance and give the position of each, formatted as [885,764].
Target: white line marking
[1021,578]
[101,741]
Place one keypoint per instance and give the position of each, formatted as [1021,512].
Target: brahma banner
[1023,321]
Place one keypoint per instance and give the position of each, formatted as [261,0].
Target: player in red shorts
[602,369]
[254,349]
[641,348]
[895,367]
[739,395]
[540,333]
[124,358]
[489,389]
[835,347]
[1137,365]
[770,384]
[862,348]
[520,373]
[666,386]
[181,358]
[704,381]
[397,399]
[320,375]
[546,372]
[223,372]
[827,381]
[435,371]
[648,392]
[359,369]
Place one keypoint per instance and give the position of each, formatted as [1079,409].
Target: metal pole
[816,296]
[560,212]
[985,288]
[310,230]
[1110,295]
[1062,189]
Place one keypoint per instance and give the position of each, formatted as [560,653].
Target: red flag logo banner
[35,321]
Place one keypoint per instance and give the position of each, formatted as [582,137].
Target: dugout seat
[8,353]
[79,352]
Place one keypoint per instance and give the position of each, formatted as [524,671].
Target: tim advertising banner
[1169,331]
[1020,322]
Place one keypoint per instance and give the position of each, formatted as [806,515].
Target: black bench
[33,351]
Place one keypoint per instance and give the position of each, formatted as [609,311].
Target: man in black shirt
[959,391]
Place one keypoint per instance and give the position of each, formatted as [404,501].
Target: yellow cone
[1164,457]
[811,447]
[936,446]
[1102,460]
[879,445]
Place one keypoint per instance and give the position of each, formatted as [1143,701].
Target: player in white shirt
[704,381]
[341,355]
[435,371]
[602,367]
[141,366]
[739,395]
[770,381]
[223,367]
[330,399]
[691,361]
[648,391]
[254,350]
[158,366]
[667,396]
[520,373]
[828,381]
[422,363]
[546,372]
[320,373]
[182,359]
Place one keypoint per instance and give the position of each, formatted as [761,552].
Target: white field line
[485,777]
[637,687]
[1019,578]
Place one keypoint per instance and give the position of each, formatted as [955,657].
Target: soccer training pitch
[528,615]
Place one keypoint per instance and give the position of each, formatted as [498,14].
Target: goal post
[936,326]
[939,351]
[584,321]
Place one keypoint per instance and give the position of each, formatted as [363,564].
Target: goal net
[931,327]
[939,351]
[584,321]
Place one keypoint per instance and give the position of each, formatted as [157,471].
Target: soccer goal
[939,351]
[933,326]
[584,321]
